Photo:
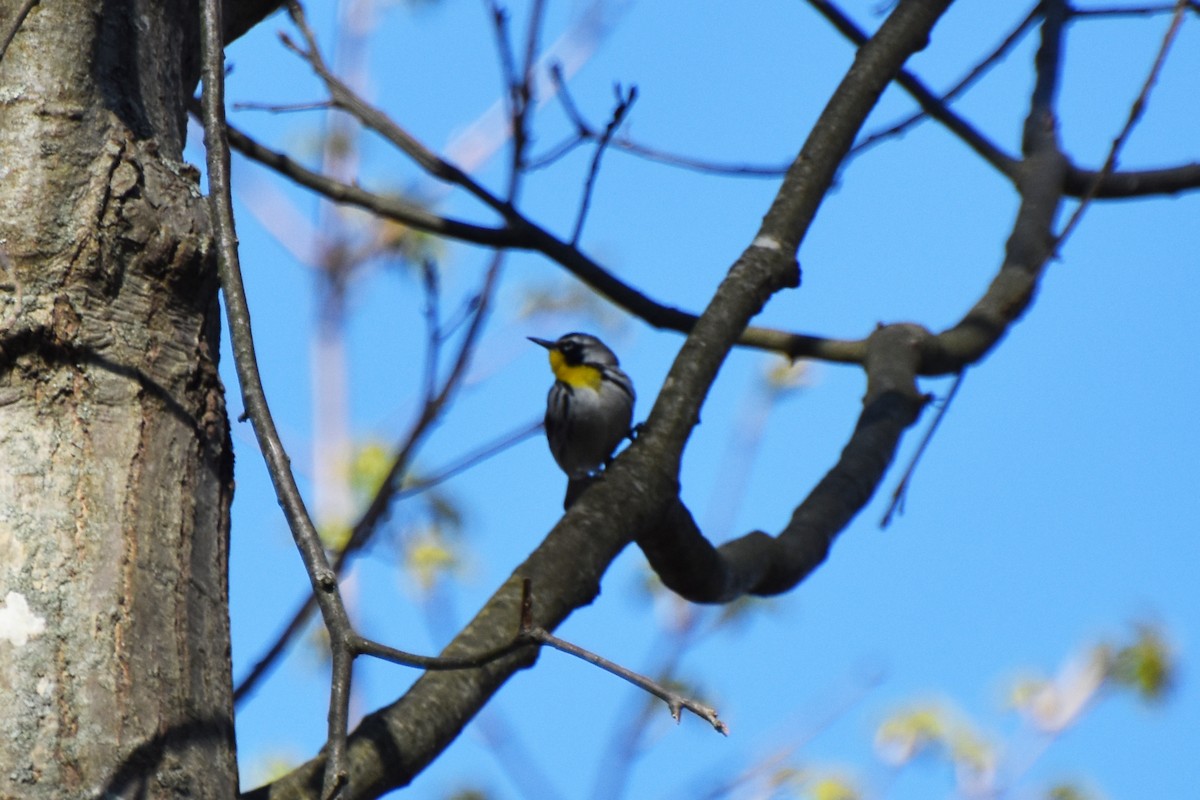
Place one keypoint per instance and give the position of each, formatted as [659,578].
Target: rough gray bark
[117,467]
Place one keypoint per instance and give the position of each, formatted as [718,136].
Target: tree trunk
[116,469]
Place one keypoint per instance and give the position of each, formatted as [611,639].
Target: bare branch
[393,208]
[1134,11]
[625,101]
[433,329]
[348,100]
[526,234]
[366,647]
[675,702]
[283,108]
[758,563]
[927,99]
[508,62]
[584,132]
[1077,181]
[969,80]
[242,15]
[733,169]
[1135,114]
[523,98]
[1136,183]
[308,542]
[901,490]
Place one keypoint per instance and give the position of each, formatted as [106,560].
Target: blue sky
[1056,506]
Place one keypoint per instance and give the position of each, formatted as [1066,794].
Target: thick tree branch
[761,564]
[239,16]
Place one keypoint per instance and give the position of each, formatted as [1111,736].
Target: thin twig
[625,101]
[556,152]
[508,62]
[1135,114]
[627,738]
[1133,11]
[349,101]
[929,102]
[976,72]
[283,108]
[478,456]
[901,490]
[308,542]
[461,317]
[584,132]
[17,21]
[390,207]
[733,169]
[675,701]
[523,96]
[568,103]
[433,329]
[367,647]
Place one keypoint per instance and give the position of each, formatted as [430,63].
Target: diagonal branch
[1135,114]
[393,208]
[523,233]
[239,16]
[348,100]
[976,72]
[761,564]
[675,701]
[625,101]
[930,103]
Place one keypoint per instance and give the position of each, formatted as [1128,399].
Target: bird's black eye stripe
[572,352]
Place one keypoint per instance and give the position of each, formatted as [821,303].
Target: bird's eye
[572,352]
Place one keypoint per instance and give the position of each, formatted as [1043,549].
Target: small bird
[590,405]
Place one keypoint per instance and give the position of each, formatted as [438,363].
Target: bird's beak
[542,342]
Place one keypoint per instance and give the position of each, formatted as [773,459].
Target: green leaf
[1147,666]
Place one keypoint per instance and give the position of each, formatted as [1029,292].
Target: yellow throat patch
[576,376]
